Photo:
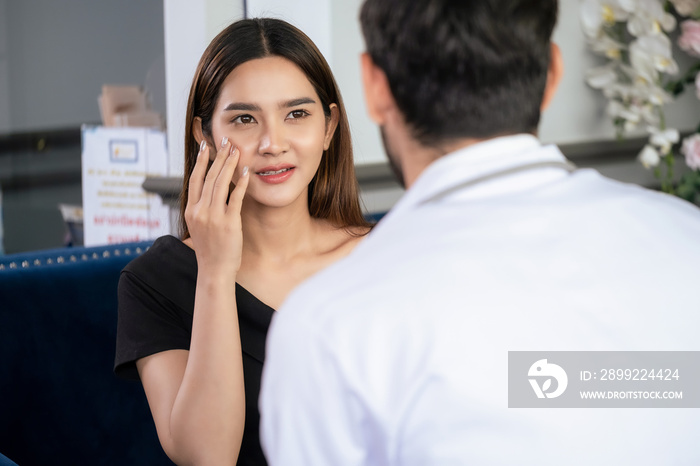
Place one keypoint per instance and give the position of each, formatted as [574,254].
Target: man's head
[461,69]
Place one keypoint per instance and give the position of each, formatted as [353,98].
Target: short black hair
[463,68]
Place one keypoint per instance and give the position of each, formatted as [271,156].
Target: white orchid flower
[597,13]
[642,89]
[639,60]
[649,157]
[650,18]
[652,54]
[657,95]
[643,63]
[631,114]
[664,139]
[686,7]
[607,46]
[629,6]
[630,125]
[650,115]
[601,77]
[623,92]
[641,112]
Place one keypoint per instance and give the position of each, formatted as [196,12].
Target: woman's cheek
[217,137]
[246,158]
[310,141]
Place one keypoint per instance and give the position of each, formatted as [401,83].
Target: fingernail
[245,171]
[233,150]
[224,141]
[203,145]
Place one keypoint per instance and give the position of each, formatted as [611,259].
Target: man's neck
[416,157]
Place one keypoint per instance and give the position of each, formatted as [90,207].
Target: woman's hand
[214,224]
[197,397]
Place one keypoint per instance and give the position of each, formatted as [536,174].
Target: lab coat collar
[476,161]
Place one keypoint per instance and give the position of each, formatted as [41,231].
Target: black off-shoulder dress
[156,304]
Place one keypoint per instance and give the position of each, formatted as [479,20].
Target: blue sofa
[60,402]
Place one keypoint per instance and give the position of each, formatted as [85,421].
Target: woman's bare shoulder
[339,241]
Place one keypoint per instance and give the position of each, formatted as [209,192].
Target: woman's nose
[272,141]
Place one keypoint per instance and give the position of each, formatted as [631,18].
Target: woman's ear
[331,125]
[198,134]
[554,75]
[197,131]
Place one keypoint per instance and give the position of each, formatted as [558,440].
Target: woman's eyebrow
[247,107]
[242,106]
[296,102]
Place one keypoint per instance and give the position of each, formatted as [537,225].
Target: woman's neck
[277,234]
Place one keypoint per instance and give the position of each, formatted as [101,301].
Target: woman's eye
[244,119]
[296,114]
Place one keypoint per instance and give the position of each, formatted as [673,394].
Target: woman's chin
[277,200]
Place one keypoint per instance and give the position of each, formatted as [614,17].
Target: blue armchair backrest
[60,402]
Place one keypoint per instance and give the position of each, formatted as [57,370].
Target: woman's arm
[197,397]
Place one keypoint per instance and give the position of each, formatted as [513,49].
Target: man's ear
[378,97]
[331,125]
[554,75]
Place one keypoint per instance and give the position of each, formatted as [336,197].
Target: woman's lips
[276,174]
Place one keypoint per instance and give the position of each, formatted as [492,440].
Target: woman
[264,115]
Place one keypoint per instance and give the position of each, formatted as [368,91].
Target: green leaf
[689,186]
[694,178]
[686,191]
[675,87]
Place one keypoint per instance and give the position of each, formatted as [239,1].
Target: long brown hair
[333,191]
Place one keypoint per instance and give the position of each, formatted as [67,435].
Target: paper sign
[115,162]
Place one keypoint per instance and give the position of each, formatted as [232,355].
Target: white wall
[189,27]
[58,54]
[577,113]
[4,74]
[317,25]
[55,55]
[335,29]
[348,44]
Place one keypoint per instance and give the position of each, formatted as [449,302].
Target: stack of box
[127,106]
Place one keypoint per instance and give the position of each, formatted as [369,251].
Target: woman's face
[269,110]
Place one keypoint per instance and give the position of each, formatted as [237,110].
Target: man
[400,353]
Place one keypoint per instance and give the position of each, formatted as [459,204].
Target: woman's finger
[235,201]
[223,181]
[214,171]
[194,188]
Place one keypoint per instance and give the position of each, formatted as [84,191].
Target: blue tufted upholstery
[5,461]
[60,402]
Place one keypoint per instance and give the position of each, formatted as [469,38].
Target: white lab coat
[398,354]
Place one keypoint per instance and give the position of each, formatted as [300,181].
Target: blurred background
[56,55]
